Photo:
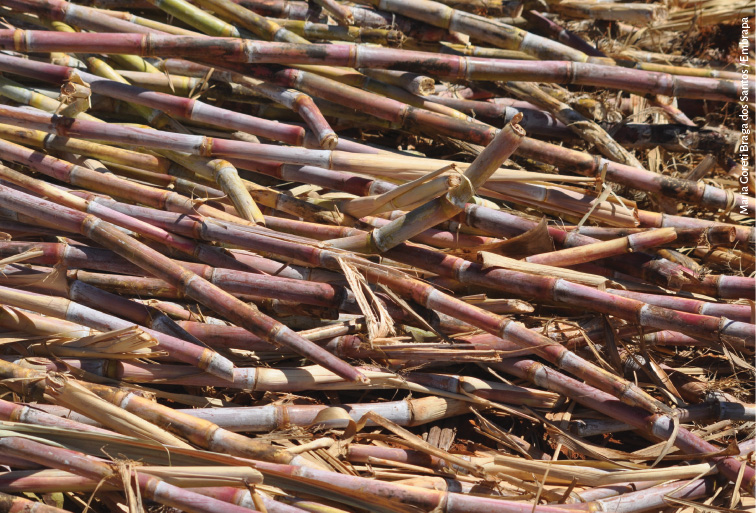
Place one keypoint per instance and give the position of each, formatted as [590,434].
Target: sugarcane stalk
[589,130]
[341,13]
[643,500]
[563,35]
[49,481]
[431,236]
[704,236]
[469,68]
[13,504]
[493,32]
[253,379]
[723,287]
[76,15]
[634,177]
[432,299]
[183,244]
[79,175]
[313,30]
[29,415]
[147,22]
[224,174]
[596,251]
[101,152]
[172,84]
[272,31]
[571,202]
[633,13]
[741,313]
[200,432]
[63,338]
[183,107]
[186,281]
[719,410]
[98,259]
[504,224]
[133,63]
[65,392]
[151,487]
[412,412]
[412,82]
[298,102]
[201,20]
[251,21]
[743,234]
[705,327]
[497,222]
[659,426]
[82,176]
[199,356]
[97,299]
[218,147]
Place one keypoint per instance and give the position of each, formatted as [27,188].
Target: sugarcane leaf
[697,506]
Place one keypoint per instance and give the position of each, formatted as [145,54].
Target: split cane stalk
[445,207]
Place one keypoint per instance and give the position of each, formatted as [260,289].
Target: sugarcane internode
[390,256]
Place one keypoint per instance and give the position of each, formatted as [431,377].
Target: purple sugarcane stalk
[198,356]
[659,426]
[12,504]
[358,56]
[186,281]
[29,415]
[499,223]
[544,288]
[151,487]
[188,246]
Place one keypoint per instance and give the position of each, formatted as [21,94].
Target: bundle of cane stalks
[389,256]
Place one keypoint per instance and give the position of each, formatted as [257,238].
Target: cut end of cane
[217,365]
[423,86]
[329,141]
[515,124]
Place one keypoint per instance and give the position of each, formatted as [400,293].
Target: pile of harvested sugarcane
[460,256]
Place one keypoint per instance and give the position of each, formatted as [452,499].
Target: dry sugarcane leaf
[417,443]
[126,343]
[697,506]
[54,281]
[66,392]
[408,309]
[582,446]
[131,489]
[26,255]
[378,321]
